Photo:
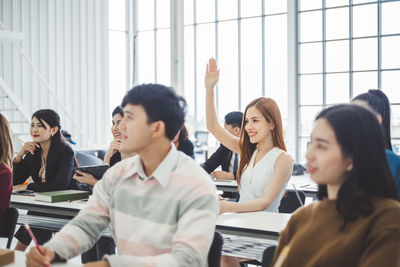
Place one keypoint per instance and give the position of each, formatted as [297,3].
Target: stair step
[17,122]
[8,109]
[20,134]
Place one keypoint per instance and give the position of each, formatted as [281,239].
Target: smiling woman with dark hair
[356,220]
[49,160]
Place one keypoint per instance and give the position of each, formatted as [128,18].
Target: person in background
[6,156]
[265,167]
[356,220]
[182,142]
[224,157]
[105,245]
[158,217]
[49,160]
[378,101]
[113,154]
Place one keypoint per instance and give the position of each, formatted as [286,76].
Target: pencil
[34,240]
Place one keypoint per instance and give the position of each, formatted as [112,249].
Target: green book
[63,195]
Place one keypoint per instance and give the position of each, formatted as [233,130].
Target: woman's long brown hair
[6,145]
[270,110]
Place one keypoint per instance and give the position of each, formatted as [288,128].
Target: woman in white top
[264,167]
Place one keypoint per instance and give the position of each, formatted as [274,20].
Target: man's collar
[163,171]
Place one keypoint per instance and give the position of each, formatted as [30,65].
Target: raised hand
[212,74]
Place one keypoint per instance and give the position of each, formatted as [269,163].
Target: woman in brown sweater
[356,221]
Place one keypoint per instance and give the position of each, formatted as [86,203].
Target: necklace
[42,171]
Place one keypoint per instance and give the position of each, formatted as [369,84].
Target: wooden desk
[20,261]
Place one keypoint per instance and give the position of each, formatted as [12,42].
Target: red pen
[34,240]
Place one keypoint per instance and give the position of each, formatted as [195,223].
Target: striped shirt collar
[163,171]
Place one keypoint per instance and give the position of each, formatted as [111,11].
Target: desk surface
[301,182]
[253,224]
[20,261]
[59,208]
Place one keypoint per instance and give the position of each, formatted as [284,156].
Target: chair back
[85,159]
[268,256]
[10,221]
[214,255]
[201,138]
[290,201]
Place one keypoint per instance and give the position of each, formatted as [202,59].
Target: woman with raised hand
[6,155]
[264,166]
[356,220]
[49,160]
[378,101]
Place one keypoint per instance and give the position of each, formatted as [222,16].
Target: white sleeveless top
[255,178]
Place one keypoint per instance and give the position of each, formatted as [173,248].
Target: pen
[34,240]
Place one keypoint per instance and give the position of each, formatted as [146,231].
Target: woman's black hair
[379,102]
[117,110]
[360,137]
[52,119]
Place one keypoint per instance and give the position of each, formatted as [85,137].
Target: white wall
[67,41]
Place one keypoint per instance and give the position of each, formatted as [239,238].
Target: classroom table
[19,260]
[300,182]
[247,235]
[261,224]
[59,208]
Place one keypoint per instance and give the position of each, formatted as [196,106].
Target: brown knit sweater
[314,237]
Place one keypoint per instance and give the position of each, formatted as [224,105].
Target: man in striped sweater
[161,205]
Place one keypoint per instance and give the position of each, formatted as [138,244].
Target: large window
[346,48]
[153,42]
[249,40]
[117,52]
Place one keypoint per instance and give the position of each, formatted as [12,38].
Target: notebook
[60,196]
[96,170]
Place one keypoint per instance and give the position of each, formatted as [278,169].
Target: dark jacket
[59,169]
[221,157]
[187,147]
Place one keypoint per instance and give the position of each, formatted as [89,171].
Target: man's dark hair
[161,103]
[234,118]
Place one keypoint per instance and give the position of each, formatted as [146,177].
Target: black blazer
[187,147]
[59,169]
[221,157]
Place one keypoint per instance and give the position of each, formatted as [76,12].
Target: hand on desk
[223,175]
[223,205]
[19,187]
[34,258]
[84,177]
